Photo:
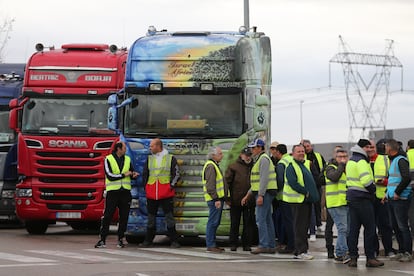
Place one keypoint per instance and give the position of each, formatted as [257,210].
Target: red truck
[61,121]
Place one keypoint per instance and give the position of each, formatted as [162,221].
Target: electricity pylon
[367,100]
[5,29]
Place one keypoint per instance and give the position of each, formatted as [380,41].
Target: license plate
[68,215]
[185,226]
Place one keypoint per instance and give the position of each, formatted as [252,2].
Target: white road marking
[135,254]
[219,256]
[74,255]
[23,258]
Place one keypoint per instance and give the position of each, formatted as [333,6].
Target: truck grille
[67,194]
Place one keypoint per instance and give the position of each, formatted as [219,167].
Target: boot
[353,262]
[374,263]
[331,254]
[149,237]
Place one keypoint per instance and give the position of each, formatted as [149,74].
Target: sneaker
[175,244]
[120,244]
[396,257]
[407,257]
[390,255]
[346,259]
[100,244]
[303,256]
[286,251]
[374,263]
[312,238]
[233,248]
[331,255]
[259,250]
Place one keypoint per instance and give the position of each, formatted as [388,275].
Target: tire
[134,239]
[36,227]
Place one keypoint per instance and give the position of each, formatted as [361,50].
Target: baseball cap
[246,151]
[274,144]
[257,143]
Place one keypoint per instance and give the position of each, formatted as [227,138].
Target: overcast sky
[304,36]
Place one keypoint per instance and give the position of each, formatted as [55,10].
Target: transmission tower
[5,29]
[367,98]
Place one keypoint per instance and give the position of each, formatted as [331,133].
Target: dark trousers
[167,206]
[301,220]
[120,199]
[361,212]
[399,219]
[383,222]
[249,225]
[287,225]
[329,233]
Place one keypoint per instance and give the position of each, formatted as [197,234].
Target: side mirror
[14,114]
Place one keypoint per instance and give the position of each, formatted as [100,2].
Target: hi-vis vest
[358,175]
[160,173]
[290,195]
[410,157]
[286,159]
[381,166]
[335,191]
[394,180]
[219,181]
[319,159]
[124,182]
[255,175]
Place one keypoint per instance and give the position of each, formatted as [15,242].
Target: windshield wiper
[147,133]
[48,130]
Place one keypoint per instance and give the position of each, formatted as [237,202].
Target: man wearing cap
[237,179]
[360,196]
[399,193]
[263,187]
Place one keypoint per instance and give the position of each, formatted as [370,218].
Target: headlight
[7,194]
[23,192]
[134,203]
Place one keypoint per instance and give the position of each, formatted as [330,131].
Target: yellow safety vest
[410,157]
[358,175]
[318,159]
[161,173]
[124,182]
[381,167]
[286,159]
[290,195]
[219,181]
[335,191]
[255,175]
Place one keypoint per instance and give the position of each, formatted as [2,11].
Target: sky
[304,36]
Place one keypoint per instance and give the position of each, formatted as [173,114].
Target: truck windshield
[186,115]
[64,116]
[6,134]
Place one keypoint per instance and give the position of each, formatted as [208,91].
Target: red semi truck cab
[61,121]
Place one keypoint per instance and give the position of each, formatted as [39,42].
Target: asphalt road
[63,251]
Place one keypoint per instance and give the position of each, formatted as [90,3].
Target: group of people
[281,197]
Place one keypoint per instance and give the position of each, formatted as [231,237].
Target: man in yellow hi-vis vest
[264,188]
[161,174]
[300,192]
[118,171]
[214,195]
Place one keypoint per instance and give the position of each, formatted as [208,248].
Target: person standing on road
[410,157]
[264,188]
[237,179]
[336,204]
[161,174]
[118,171]
[214,195]
[360,196]
[399,194]
[300,192]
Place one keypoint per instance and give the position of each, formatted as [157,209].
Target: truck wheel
[36,227]
[134,239]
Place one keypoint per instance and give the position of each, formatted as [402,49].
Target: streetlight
[301,120]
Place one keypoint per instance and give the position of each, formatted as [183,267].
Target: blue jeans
[214,218]
[399,220]
[264,222]
[361,212]
[340,216]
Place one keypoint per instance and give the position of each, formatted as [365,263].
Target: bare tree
[5,30]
